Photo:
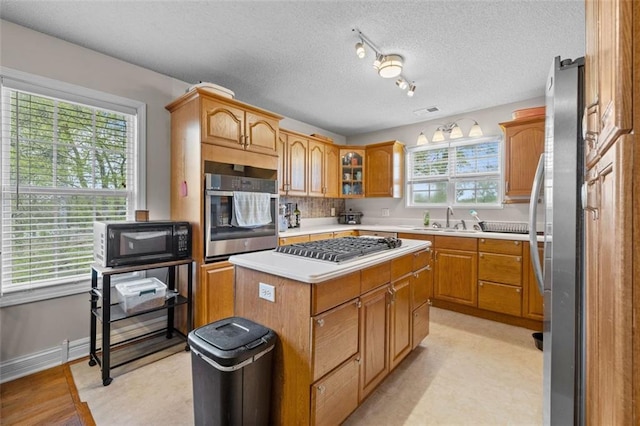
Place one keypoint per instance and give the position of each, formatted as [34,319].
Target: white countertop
[406,229]
[315,271]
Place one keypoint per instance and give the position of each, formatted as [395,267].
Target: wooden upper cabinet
[385,169]
[297,149]
[608,74]
[331,171]
[524,143]
[282,149]
[222,124]
[233,126]
[316,168]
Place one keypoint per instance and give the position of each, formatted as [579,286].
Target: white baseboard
[48,358]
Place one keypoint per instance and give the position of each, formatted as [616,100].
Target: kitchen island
[341,327]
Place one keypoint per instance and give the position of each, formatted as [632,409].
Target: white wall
[488,119]
[30,328]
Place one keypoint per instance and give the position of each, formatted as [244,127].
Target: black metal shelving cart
[108,313]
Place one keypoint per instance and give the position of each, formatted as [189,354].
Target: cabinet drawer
[456,243]
[421,259]
[336,396]
[501,298]
[283,241]
[340,234]
[401,266]
[500,268]
[334,337]
[328,294]
[420,323]
[500,246]
[421,286]
[321,236]
[375,277]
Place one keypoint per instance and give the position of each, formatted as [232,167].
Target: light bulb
[412,90]
[475,131]
[438,135]
[456,132]
[422,139]
[401,83]
[360,50]
[378,61]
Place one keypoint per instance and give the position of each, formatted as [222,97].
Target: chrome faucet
[449,213]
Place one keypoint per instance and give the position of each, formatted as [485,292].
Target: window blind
[64,165]
[462,172]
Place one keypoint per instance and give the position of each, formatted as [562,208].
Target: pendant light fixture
[387,66]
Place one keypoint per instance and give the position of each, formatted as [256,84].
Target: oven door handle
[215,193]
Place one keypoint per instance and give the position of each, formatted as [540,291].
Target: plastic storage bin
[141,295]
[231,364]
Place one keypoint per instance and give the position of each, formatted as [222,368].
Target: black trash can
[231,365]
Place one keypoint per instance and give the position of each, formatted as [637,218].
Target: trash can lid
[231,333]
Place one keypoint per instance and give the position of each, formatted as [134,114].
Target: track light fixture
[453,130]
[387,66]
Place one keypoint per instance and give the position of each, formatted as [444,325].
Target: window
[465,172]
[67,159]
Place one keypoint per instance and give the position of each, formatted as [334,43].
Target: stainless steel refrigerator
[560,175]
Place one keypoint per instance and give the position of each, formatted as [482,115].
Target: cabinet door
[298,149]
[261,134]
[609,316]
[383,171]
[316,169]
[374,349]
[331,171]
[336,396]
[214,295]
[532,303]
[420,324]
[399,321]
[506,299]
[456,276]
[614,69]
[523,145]
[222,124]
[283,161]
[334,337]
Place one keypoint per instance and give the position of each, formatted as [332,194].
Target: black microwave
[134,243]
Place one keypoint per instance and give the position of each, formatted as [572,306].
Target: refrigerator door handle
[533,232]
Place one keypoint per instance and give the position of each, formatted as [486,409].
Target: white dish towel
[251,209]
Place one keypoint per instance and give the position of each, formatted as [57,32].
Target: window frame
[47,87]
[451,178]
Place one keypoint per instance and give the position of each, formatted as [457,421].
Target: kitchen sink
[466,231]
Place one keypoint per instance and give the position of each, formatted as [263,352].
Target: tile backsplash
[312,207]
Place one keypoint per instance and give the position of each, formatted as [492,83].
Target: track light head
[360,50]
[412,90]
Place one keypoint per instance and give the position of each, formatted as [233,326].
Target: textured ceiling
[297,58]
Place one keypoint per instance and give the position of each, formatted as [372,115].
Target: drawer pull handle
[320,322]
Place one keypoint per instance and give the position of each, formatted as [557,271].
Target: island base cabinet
[335,396]
[400,321]
[420,324]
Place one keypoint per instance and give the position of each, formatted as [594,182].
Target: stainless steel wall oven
[240,215]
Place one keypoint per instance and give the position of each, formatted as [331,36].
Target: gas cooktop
[340,249]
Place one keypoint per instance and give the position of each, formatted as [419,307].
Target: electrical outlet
[333,211]
[385,212]
[267,292]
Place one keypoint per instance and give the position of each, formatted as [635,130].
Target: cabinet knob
[480,284]
[320,322]
[518,259]
[517,290]
[428,268]
[321,388]
[482,240]
[516,243]
[358,304]
[481,255]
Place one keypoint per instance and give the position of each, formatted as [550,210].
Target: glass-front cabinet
[352,173]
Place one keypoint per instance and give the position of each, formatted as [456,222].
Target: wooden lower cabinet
[338,339]
[321,236]
[456,276]
[214,293]
[283,241]
[374,339]
[335,396]
[399,320]
[533,300]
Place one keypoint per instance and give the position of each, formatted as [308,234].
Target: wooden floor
[49,397]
